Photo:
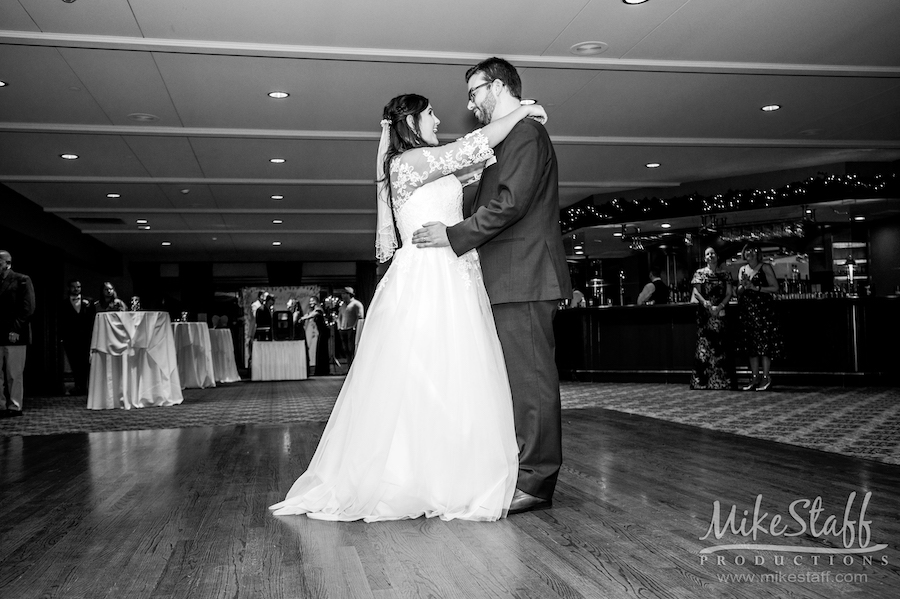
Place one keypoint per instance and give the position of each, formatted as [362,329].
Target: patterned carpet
[863,422]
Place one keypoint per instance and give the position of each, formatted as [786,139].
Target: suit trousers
[529,348]
[12,368]
[348,343]
[78,353]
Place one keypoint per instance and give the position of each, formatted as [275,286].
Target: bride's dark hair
[402,136]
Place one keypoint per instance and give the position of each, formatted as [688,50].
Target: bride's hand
[536,112]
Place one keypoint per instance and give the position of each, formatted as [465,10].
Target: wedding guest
[349,315]
[260,300]
[655,292]
[760,338]
[311,331]
[256,305]
[578,300]
[296,309]
[16,308]
[265,319]
[712,291]
[110,301]
[76,323]
[317,336]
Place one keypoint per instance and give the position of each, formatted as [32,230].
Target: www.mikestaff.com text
[780,577]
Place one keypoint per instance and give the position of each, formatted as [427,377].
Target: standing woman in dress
[712,292]
[759,338]
[311,333]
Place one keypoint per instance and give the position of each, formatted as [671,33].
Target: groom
[514,223]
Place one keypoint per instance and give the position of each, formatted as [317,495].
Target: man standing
[349,315]
[514,223]
[16,308]
[655,292]
[76,323]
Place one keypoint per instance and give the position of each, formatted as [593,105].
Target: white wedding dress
[423,424]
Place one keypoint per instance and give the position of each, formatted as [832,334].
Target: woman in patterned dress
[712,292]
[759,337]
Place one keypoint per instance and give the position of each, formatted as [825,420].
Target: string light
[822,188]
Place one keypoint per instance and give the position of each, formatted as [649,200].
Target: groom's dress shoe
[523,502]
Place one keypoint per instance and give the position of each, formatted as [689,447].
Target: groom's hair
[497,68]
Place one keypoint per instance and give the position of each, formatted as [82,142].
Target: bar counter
[839,341]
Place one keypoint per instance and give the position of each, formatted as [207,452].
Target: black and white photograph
[584,299]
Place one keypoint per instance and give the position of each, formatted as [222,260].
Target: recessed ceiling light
[652,165]
[69,156]
[215,238]
[277,221]
[143,117]
[276,160]
[579,246]
[3,83]
[859,218]
[588,48]
[579,253]
[665,225]
[770,107]
[278,95]
[276,243]
[185,191]
[617,234]
[141,221]
[166,243]
[634,1]
[277,197]
[144,227]
[113,195]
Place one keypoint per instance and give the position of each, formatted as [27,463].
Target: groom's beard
[485,112]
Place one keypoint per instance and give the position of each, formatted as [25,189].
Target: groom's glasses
[475,89]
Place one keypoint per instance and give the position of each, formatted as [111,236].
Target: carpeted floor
[862,422]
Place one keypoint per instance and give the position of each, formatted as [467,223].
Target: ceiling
[680,83]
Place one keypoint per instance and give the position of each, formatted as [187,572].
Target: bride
[423,424]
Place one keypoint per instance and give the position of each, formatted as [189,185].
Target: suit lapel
[6,283]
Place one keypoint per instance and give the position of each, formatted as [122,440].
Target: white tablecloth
[278,361]
[224,364]
[194,353]
[133,363]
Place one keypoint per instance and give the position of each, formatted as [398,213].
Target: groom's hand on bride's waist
[431,235]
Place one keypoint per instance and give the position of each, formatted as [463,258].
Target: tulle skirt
[423,424]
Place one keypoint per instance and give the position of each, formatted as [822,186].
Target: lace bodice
[440,200]
[425,182]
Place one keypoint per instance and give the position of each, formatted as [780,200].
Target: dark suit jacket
[16,307]
[514,221]
[76,327]
[263,318]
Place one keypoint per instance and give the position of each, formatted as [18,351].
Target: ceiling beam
[230,48]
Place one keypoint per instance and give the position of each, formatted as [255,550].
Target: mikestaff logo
[851,531]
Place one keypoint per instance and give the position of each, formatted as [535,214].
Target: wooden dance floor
[181,513]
